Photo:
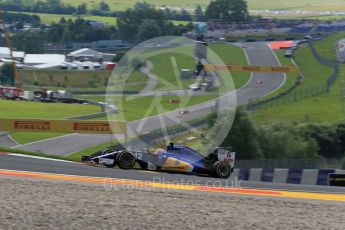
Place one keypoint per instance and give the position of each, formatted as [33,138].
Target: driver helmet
[159,151]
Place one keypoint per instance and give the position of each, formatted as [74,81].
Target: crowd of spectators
[271,26]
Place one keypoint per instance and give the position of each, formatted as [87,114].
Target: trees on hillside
[82,9]
[243,137]
[20,18]
[54,7]
[148,29]
[7,71]
[30,42]
[104,6]
[227,10]
[281,140]
[199,14]
[135,24]
[65,32]
[130,21]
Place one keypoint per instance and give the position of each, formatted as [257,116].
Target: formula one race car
[219,163]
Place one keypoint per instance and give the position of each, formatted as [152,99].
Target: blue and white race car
[219,163]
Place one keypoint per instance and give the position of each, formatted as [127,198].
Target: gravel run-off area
[32,204]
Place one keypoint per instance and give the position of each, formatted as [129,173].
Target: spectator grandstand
[217,28]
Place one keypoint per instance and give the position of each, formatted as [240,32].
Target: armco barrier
[290,176]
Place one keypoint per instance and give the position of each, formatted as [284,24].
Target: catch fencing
[318,163]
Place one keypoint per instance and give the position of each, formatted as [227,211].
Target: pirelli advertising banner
[261,69]
[63,126]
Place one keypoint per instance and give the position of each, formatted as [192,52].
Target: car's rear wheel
[221,169]
[125,160]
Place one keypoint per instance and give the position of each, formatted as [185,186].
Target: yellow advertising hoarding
[261,69]
[63,126]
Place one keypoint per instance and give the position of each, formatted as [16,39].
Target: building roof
[5,53]
[44,58]
[47,66]
[86,52]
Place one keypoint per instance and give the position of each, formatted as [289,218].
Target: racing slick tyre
[125,160]
[221,169]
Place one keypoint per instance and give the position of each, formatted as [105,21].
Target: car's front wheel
[221,169]
[125,160]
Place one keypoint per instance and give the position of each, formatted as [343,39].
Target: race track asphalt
[6,141]
[9,162]
[258,54]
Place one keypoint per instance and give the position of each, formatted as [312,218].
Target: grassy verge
[19,151]
[314,74]
[66,78]
[55,18]
[79,80]
[32,110]
[326,48]
[327,107]
[136,107]
[164,69]
[23,109]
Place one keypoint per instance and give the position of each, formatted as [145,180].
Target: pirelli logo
[251,68]
[218,68]
[63,126]
[260,69]
[32,125]
[91,127]
[281,69]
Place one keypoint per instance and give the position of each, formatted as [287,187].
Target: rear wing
[224,154]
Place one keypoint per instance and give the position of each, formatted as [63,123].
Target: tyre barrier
[289,176]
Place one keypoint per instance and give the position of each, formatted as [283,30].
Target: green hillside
[316,5]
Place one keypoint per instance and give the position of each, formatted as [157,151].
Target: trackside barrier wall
[279,175]
[290,176]
[63,126]
[259,69]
